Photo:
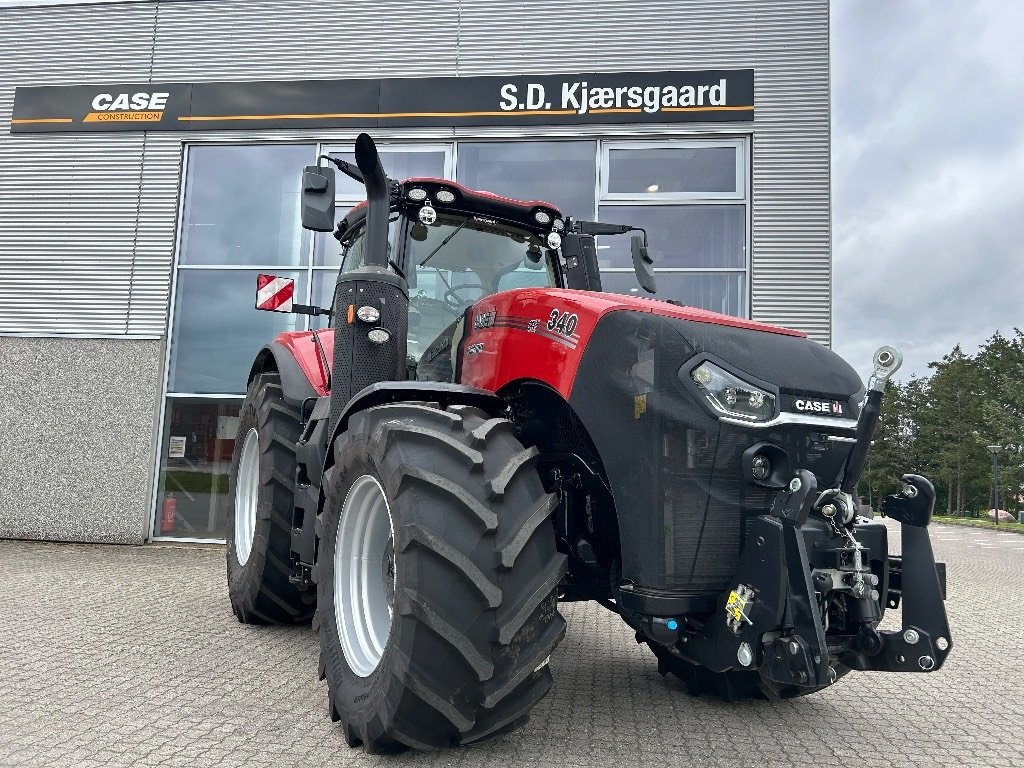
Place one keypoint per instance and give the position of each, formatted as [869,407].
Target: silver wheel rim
[247,491]
[364,575]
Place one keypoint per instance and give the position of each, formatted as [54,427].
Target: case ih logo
[128,107]
[833,407]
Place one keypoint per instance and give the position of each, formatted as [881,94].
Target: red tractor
[481,433]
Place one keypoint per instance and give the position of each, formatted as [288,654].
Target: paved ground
[118,656]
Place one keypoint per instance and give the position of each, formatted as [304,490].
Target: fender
[420,391]
[295,357]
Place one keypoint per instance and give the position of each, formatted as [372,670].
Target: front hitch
[773,618]
[924,640]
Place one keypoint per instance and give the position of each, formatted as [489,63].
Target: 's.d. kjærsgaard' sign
[606,97]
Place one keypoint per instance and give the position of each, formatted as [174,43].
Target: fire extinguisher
[167,516]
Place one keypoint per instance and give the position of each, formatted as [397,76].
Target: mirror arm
[600,228]
[309,309]
[349,169]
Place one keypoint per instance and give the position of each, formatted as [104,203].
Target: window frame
[641,198]
[742,197]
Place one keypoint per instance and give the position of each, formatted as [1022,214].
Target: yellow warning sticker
[639,406]
[735,605]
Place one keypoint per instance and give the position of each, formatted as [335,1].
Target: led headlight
[554,240]
[445,196]
[379,335]
[542,217]
[731,396]
[417,194]
[557,225]
[368,314]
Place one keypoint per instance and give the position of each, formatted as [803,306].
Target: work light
[731,396]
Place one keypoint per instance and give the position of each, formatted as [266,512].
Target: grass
[977,522]
[194,482]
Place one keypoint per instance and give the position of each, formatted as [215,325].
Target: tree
[1001,363]
[939,426]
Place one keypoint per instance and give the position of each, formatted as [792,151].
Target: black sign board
[607,97]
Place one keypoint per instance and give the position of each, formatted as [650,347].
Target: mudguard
[419,391]
[294,380]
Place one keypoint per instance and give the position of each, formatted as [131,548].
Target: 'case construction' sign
[605,97]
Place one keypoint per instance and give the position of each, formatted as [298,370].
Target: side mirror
[318,198]
[643,264]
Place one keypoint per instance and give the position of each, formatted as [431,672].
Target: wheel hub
[388,572]
[364,575]
[247,490]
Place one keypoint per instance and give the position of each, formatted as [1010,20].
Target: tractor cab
[417,254]
[454,246]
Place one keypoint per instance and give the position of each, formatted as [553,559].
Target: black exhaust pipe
[378,201]
[369,351]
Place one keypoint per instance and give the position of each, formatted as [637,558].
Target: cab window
[459,260]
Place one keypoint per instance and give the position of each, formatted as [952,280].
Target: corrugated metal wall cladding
[68,203]
[67,229]
[231,40]
[603,35]
[99,214]
[155,236]
[791,220]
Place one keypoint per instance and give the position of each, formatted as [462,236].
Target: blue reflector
[672,624]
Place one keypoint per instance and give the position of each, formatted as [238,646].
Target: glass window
[218,331]
[326,248]
[242,205]
[458,262]
[399,164]
[563,173]
[679,236]
[723,292]
[694,170]
[196,446]
[355,245]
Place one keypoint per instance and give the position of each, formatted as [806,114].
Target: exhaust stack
[377,201]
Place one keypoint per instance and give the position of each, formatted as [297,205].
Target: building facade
[129,244]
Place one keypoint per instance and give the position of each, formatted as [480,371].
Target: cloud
[928,158]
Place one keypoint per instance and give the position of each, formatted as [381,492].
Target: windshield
[457,261]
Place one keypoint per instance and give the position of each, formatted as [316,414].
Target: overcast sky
[928,175]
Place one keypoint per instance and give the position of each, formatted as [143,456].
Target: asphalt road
[121,656]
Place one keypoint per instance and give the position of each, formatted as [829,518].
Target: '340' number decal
[562,322]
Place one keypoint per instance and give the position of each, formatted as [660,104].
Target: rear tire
[260,510]
[473,576]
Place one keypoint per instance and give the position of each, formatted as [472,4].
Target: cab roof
[529,214]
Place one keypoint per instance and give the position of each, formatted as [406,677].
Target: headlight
[445,196]
[731,396]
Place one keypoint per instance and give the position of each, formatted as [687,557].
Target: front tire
[446,640]
[261,493]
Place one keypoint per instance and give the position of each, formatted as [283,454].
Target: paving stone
[130,656]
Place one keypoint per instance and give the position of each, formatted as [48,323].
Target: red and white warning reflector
[274,294]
